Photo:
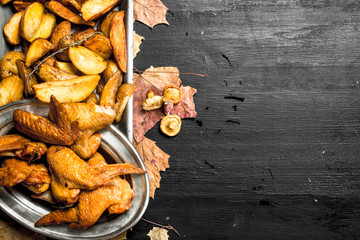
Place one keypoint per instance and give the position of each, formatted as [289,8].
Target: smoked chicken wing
[35,176]
[70,173]
[14,145]
[116,198]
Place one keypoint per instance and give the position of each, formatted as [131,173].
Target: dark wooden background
[274,152]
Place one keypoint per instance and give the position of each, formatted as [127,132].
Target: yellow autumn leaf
[158,234]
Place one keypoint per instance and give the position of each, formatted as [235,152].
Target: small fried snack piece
[118,40]
[86,60]
[62,29]
[47,25]
[11,89]
[12,29]
[31,20]
[123,95]
[49,73]
[93,9]
[37,50]
[172,92]
[170,125]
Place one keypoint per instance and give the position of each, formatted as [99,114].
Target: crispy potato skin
[63,43]
[118,40]
[49,73]
[80,34]
[93,9]
[24,72]
[123,95]
[100,45]
[67,14]
[47,25]
[12,29]
[62,29]
[105,24]
[8,63]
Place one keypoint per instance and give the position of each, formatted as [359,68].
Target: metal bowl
[18,204]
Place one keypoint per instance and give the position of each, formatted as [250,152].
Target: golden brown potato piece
[105,24]
[80,34]
[73,90]
[107,98]
[31,20]
[62,29]
[25,46]
[110,70]
[118,40]
[12,29]
[11,90]
[99,44]
[37,50]
[24,73]
[73,4]
[93,9]
[92,98]
[86,60]
[64,42]
[66,13]
[123,95]
[21,5]
[8,63]
[46,27]
[49,73]
[50,61]
[67,67]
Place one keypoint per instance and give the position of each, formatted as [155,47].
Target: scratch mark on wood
[209,164]
[304,33]
[199,123]
[227,59]
[234,107]
[232,121]
[241,99]
[272,176]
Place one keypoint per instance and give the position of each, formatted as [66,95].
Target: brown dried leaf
[186,107]
[154,79]
[158,234]
[155,161]
[150,12]
[137,42]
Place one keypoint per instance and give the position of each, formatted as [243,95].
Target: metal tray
[115,146]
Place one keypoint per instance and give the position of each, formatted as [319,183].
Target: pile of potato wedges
[63,55]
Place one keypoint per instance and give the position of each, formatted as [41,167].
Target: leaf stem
[195,74]
[168,227]
[59,51]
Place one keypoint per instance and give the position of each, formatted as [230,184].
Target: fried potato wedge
[105,25]
[31,20]
[118,40]
[80,34]
[66,13]
[123,95]
[67,67]
[86,60]
[99,44]
[51,61]
[5,1]
[37,50]
[24,73]
[107,98]
[64,42]
[8,63]
[49,73]
[12,29]
[46,27]
[11,89]
[110,70]
[62,29]
[21,5]
[73,90]
[93,9]
[73,4]
[92,99]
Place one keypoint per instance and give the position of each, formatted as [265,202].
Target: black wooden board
[273,153]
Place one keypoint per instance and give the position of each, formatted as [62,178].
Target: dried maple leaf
[158,234]
[137,42]
[155,160]
[150,12]
[186,107]
[154,79]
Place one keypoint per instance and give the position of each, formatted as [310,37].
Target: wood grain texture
[274,151]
